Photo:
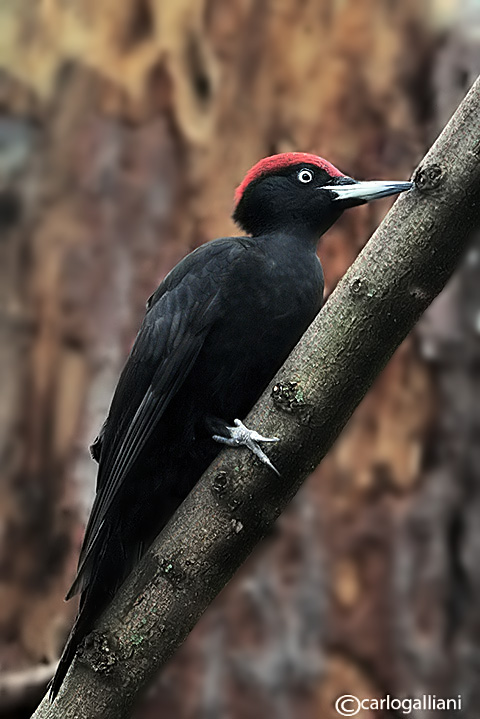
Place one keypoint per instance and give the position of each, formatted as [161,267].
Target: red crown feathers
[279,162]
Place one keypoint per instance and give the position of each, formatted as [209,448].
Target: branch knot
[428,177]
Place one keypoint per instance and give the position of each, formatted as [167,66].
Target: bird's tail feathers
[76,635]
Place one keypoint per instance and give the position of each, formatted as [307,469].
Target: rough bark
[403,267]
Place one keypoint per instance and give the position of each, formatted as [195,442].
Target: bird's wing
[96,446]
[179,317]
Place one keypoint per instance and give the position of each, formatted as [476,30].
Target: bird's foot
[241,436]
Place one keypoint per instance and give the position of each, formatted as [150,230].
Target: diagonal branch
[400,271]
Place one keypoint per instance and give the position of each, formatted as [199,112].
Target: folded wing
[179,317]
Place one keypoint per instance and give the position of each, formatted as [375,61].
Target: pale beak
[370,190]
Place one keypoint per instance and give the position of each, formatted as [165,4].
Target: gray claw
[241,436]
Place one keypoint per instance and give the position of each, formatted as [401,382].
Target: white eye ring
[305,176]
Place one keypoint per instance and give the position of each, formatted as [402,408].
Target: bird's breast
[266,311]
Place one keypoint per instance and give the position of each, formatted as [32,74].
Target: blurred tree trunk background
[124,128]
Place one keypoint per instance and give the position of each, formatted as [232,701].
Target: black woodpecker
[215,332]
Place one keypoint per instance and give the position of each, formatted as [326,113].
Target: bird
[215,332]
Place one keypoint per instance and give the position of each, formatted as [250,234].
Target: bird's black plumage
[215,332]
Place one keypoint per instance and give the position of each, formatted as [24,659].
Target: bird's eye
[305,176]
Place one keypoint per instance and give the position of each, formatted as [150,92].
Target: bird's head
[301,193]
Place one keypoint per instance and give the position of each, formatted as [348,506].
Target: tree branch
[400,271]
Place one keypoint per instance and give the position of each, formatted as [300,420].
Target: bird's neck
[290,238]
